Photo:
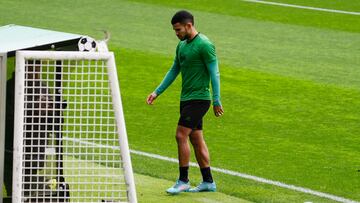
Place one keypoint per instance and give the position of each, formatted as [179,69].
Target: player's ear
[188,25]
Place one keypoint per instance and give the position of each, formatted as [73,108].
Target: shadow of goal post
[70,141]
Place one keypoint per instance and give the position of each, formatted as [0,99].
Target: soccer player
[197,62]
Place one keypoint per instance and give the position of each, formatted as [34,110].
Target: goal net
[70,142]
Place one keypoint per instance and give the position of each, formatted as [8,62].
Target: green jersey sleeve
[169,78]
[208,55]
[213,69]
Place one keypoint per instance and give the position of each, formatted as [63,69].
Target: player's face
[182,31]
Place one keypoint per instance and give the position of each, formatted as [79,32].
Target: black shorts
[192,112]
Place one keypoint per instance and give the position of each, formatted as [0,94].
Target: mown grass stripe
[304,7]
[224,171]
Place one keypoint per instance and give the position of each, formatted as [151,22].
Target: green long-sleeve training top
[197,62]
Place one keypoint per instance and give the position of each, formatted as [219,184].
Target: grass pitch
[290,83]
[150,189]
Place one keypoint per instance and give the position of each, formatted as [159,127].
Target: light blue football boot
[204,187]
[180,186]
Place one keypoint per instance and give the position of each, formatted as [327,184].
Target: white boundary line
[224,171]
[303,7]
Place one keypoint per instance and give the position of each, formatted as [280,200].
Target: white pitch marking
[224,171]
[303,7]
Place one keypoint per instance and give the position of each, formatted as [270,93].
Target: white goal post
[3,77]
[68,111]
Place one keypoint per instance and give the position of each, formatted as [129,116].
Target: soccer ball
[87,44]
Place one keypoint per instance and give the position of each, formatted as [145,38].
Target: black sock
[184,174]
[206,174]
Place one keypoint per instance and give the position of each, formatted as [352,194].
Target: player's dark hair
[182,17]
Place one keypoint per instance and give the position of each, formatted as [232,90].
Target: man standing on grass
[196,60]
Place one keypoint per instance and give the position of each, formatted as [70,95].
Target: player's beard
[186,36]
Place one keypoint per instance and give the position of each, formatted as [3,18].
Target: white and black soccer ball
[87,44]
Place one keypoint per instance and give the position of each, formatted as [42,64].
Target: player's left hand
[218,111]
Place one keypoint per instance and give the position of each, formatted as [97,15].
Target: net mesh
[70,142]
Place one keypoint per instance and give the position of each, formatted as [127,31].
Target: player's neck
[193,34]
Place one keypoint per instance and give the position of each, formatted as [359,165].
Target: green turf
[272,13]
[148,189]
[322,55]
[4,191]
[234,186]
[271,114]
[348,5]
[290,86]
[151,189]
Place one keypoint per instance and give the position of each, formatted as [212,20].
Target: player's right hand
[150,99]
[218,111]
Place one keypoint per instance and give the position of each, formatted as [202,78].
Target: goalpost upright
[3,77]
